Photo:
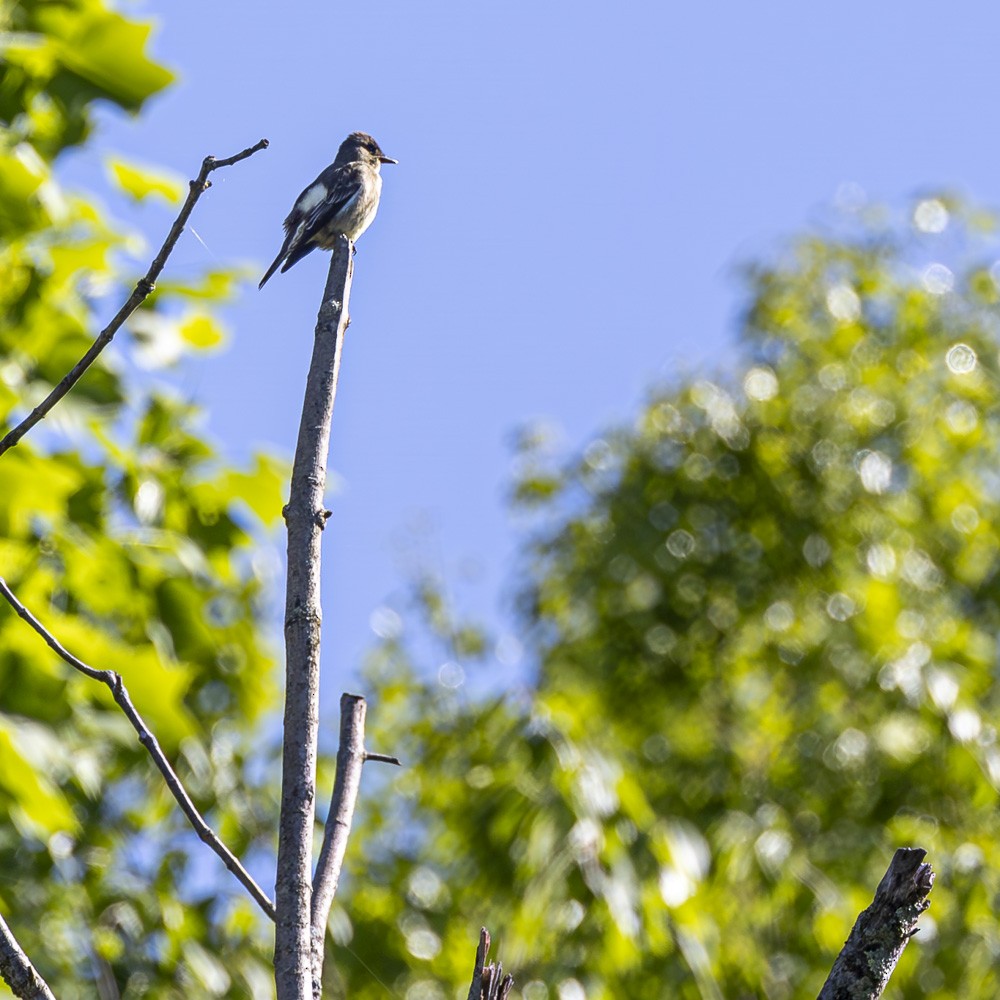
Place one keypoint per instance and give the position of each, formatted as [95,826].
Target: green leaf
[22,175]
[28,754]
[142,182]
[107,51]
[263,489]
[202,330]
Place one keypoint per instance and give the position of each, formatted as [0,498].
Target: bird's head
[361,146]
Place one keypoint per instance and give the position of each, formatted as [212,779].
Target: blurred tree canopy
[135,543]
[763,627]
[761,621]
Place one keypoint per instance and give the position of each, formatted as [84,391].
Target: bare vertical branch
[143,287]
[119,692]
[351,757]
[305,517]
[17,971]
[350,760]
[865,963]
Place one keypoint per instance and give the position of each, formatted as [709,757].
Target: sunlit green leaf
[106,50]
[142,182]
[202,331]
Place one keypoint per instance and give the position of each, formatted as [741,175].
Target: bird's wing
[339,186]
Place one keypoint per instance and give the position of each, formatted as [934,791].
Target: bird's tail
[274,267]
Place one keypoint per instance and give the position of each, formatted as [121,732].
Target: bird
[342,201]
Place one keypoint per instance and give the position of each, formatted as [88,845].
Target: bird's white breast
[359,212]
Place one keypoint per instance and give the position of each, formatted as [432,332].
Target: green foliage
[764,622]
[59,57]
[130,538]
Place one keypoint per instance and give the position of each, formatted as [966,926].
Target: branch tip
[195,190]
[880,934]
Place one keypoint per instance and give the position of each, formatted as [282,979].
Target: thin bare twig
[148,740]
[865,963]
[144,286]
[306,517]
[488,981]
[17,971]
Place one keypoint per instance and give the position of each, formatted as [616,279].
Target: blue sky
[576,183]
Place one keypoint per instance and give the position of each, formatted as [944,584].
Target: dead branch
[488,981]
[17,971]
[306,516]
[351,757]
[865,963]
[120,694]
[143,287]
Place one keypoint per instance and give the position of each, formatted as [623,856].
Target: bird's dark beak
[387,159]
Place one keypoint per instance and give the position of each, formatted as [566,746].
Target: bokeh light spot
[386,623]
[965,724]
[570,989]
[943,688]
[451,675]
[816,549]
[875,470]
[423,943]
[930,216]
[881,560]
[843,303]
[969,857]
[965,518]
[675,886]
[779,617]
[962,417]
[938,279]
[425,989]
[760,383]
[425,888]
[772,849]
[840,607]
[535,990]
[850,749]
[680,543]
[961,359]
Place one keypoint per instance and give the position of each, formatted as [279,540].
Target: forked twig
[143,287]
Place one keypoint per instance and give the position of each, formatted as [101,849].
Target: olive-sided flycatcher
[342,201]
